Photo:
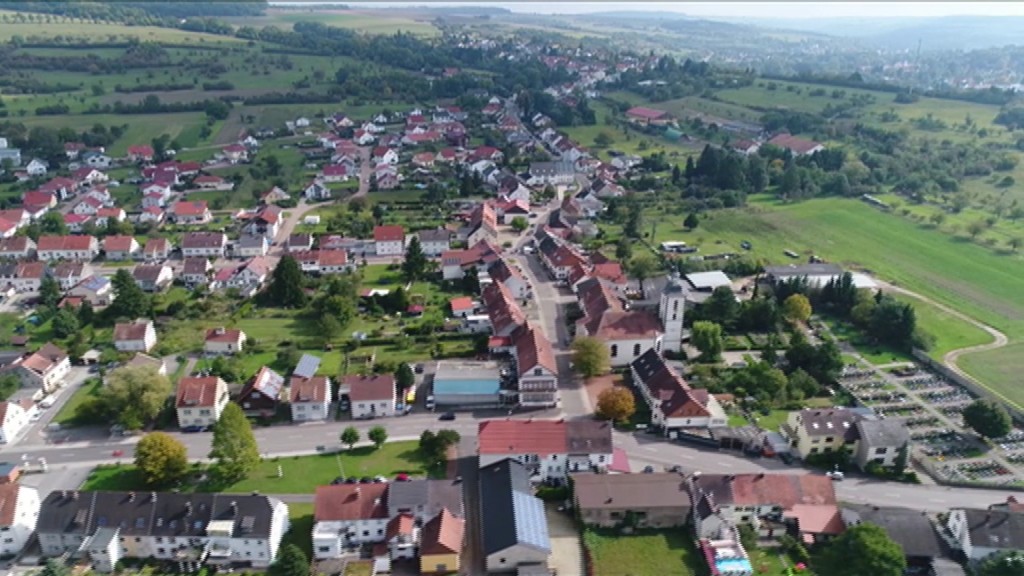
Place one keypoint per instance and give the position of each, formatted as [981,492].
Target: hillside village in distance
[450,338]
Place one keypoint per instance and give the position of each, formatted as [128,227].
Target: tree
[590,356]
[350,436]
[234,446]
[65,323]
[988,418]
[49,292]
[415,265]
[285,289]
[378,435]
[130,301]
[520,223]
[623,249]
[1006,563]
[161,458]
[861,549]
[86,314]
[641,267]
[707,337]
[603,140]
[796,308]
[902,457]
[616,403]
[1015,243]
[975,228]
[691,221]
[434,447]
[291,561]
[404,378]
[55,567]
[134,395]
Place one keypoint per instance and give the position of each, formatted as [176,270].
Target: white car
[35,417]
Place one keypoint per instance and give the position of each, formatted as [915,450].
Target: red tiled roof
[197,391]
[794,144]
[223,335]
[190,208]
[64,243]
[156,245]
[786,490]
[350,502]
[14,244]
[402,524]
[332,257]
[140,150]
[131,331]
[118,243]
[542,437]
[335,170]
[817,518]
[631,324]
[461,303]
[646,113]
[378,387]
[202,240]
[501,307]
[388,233]
[37,198]
[309,389]
[533,350]
[443,534]
[610,271]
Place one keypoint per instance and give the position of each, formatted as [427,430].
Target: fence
[966,382]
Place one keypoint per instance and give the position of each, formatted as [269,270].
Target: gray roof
[674,286]
[307,367]
[102,538]
[708,280]
[992,529]
[430,494]
[249,241]
[889,432]
[153,513]
[510,514]
[797,270]
[588,436]
[448,370]
[435,235]
[910,529]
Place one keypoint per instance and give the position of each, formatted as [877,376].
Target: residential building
[348,515]
[50,248]
[482,226]
[913,531]
[153,277]
[300,242]
[441,543]
[980,533]
[200,401]
[14,419]
[17,248]
[310,398]
[512,520]
[45,368]
[550,449]
[389,240]
[816,431]
[881,442]
[316,191]
[157,249]
[797,146]
[659,500]
[266,222]
[558,258]
[536,370]
[121,248]
[97,290]
[455,263]
[71,274]
[383,155]
[435,242]
[224,341]
[191,212]
[37,167]
[674,405]
[647,116]
[371,396]
[263,394]
[251,247]
[157,364]
[140,153]
[505,314]
[560,173]
[107,213]
[206,244]
[196,271]
[187,529]
[22,276]
[19,516]
[138,336]
[513,279]
[424,499]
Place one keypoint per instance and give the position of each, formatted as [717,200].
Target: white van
[47,402]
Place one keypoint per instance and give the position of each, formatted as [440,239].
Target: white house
[389,240]
[536,369]
[548,448]
[45,368]
[224,341]
[200,401]
[348,515]
[37,167]
[310,398]
[371,396]
[187,530]
[14,418]
[19,514]
[384,155]
[674,405]
[138,336]
[981,533]
[205,244]
[316,191]
[512,278]
[435,242]
[121,248]
[84,248]
[251,246]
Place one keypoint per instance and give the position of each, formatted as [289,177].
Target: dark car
[338,480]
[366,480]
[447,416]
[192,429]
[418,369]
[352,480]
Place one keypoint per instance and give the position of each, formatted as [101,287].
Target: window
[324,549]
[814,450]
[614,350]
[380,532]
[636,349]
[501,560]
[616,515]
[366,532]
[675,316]
[675,307]
[441,568]
[161,551]
[881,450]
[829,440]
[538,371]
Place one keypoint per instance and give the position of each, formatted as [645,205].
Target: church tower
[670,310]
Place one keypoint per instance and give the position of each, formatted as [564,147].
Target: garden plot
[978,471]
[945,444]
[923,383]
[948,395]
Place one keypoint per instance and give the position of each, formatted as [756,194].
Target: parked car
[448,416]
[192,429]
[418,369]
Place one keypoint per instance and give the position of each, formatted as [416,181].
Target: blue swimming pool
[733,565]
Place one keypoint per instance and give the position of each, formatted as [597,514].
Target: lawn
[301,531]
[142,128]
[771,421]
[69,411]
[1000,365]
[644,553]
[115,478]
[103,32]
[366,22]
[950,332]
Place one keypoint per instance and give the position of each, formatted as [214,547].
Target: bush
[553,493]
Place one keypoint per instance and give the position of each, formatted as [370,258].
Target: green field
[301,531]
[1003,365]
[365,21]
[142,128]
[54,26]
[644,553]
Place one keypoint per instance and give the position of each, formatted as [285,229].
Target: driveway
[566,549]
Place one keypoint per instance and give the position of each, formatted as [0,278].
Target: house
[816,431]
[45,368]
[22,276]
[513,279]
[89,175]
[36,200]
[797,146]
[19,515]
[299,242]
[316,191]
[536,370]
[505,315]
[435,241]
[121,248]
[333,262]
[69,274]
[674,405]
[383,155]
[97,290]
[659,500]
[157,249]
[13,155]
[235,153]
[274,195]
[310,398]
[483,225]
[140,153]
[97,160]
[389,240]
[107,213]
[262,394]
[83,248]
[205,244]
[454,263]
[251,246]
[560,173]
[980,533]
[14,418]
[912,530]
[138,336]
[804,504]
[157,364]
[371,396]
[189,530]
[462,306]
[335,173]
[247,278]
[550,449]
[881,442]
[196,271]
[647,116]
[17,248]
[37,167]
[441,543]
[423,160]
[211,182]
[200,401]
[76,222]
[558,258]
[7,228]
[627,333]
[348,515]
[153,277]
[512,520]
[224,341]
[191,212]
[363,137]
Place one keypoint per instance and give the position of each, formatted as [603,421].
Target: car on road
[430,402]
[193,429]
[419,368]
[648,469]
[835,475]
[447,416]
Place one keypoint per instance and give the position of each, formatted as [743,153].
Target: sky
[787,10]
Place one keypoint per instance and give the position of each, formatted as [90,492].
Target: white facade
[960,528]
[621,353]
[373,408]
[390,248]
[331,537]
[48,380]
[205,415]
[552,466]
[145,344]
[15,419]
[671,308]
[23,522]
[61,254]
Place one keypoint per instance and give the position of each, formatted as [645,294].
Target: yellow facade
[439,563]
